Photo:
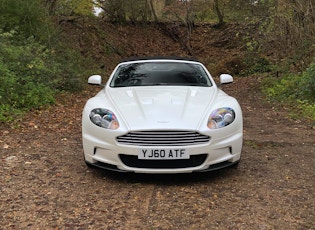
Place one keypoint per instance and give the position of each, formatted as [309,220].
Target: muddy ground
[45,183]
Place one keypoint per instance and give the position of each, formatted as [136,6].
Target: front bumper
[218,153]
[214,167]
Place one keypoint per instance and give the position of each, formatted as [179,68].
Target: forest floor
[45,183]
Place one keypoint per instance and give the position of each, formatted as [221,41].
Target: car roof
[131,59]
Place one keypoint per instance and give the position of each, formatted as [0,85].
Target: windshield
[160,73]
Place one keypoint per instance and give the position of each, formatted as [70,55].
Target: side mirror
[226,79]
[95,80]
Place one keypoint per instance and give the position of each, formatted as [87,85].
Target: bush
[255,64]
[31,74]
[29,16]
[298,90]
[307,84]
[20,89]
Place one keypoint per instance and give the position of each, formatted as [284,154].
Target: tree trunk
[153,10]
[219,13]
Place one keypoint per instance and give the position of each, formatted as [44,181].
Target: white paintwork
[168,106]
[95,80]
[162,108]
[226,78]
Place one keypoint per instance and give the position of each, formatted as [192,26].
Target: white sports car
[161,115]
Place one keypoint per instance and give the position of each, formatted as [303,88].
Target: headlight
[221,117]
[104,118]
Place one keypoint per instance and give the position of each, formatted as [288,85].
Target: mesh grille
[163,138]
[133,161]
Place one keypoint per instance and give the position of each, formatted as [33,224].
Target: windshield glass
[160,73]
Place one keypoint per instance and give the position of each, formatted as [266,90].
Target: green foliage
[29,16]
[253,61]
[33,63]
[297,90]
[254,64]
[70,7]
[306,109]
[308,83]
[294,86]
[31,74]
[283,89]
[22,85]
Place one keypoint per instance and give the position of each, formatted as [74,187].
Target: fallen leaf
[10,158]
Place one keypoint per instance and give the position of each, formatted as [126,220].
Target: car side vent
[163,138]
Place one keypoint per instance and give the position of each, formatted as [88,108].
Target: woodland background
[39,60]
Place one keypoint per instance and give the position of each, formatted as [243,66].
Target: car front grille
[163,138]
[133,161]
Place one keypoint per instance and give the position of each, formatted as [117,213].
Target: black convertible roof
[159,58]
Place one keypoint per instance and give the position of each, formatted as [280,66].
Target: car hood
[170,107]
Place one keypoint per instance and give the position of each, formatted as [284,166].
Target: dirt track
[46,185]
